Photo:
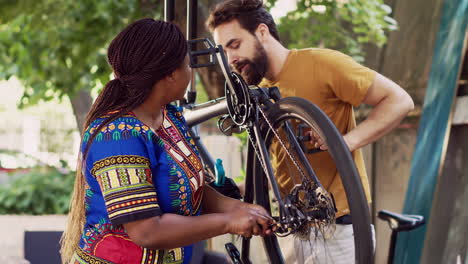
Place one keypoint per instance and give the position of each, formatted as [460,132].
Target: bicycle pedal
[233,253]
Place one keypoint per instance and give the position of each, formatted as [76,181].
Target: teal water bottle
[219,173]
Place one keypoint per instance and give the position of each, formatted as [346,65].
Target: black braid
[145,52]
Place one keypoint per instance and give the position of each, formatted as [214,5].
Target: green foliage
[202,96]
[241,178]
[58,47]
[243,137]
[343,25]
[43,190]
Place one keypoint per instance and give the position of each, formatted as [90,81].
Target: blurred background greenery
[40,191]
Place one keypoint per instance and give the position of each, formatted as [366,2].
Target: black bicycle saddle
[401,222]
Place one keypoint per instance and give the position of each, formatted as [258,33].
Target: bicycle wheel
[289,119]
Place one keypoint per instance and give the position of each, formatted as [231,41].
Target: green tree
[345,25]
[57,48]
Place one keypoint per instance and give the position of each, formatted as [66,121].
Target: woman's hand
[248,219]
[242,218]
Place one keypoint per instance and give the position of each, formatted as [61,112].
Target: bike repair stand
[169,16]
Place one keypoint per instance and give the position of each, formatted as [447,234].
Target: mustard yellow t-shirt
[335,83]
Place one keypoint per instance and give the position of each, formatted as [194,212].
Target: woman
[139,191]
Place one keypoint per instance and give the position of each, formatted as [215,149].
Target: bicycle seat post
[192,6]
[391,252]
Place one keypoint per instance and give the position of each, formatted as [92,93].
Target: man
[327,78]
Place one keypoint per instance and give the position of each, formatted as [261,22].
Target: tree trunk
[81,103]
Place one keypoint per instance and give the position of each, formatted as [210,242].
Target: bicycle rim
[293,111]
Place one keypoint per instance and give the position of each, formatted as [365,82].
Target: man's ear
[262,31]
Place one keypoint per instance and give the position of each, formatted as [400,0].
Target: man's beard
[256,68]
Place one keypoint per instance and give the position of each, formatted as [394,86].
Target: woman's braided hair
[145,52]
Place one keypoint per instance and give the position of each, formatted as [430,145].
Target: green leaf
[43,190]
[386,8]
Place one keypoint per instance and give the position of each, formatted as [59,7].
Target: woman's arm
[171,230]
[214,202]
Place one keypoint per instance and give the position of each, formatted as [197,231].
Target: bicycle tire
[293,107]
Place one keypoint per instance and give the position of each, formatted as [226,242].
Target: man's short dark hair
[249,13]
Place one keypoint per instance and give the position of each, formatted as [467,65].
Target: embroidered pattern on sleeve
[127,186]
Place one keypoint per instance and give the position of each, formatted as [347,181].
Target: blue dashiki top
[133,173]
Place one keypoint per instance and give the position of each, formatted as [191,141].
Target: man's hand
[316,141]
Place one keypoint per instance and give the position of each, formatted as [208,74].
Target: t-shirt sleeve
[347,79]
[122,168]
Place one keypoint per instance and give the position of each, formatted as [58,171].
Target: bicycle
[280,125]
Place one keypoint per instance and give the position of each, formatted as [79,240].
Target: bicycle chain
[302,230]
[257,152]
[281,142]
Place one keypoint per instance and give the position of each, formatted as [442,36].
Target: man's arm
[391,104]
